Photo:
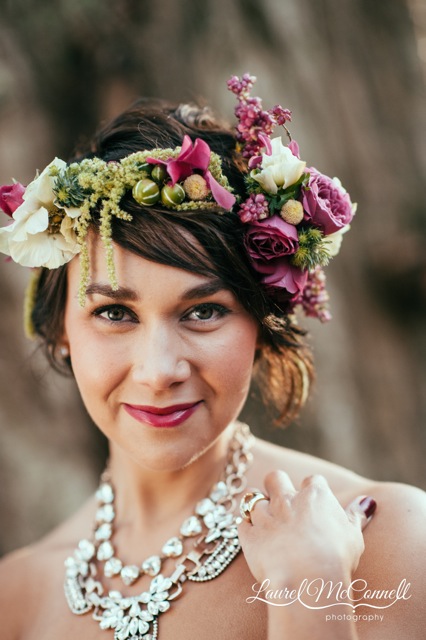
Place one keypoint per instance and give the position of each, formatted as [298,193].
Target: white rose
[334,241]
[279,169]
[27,239]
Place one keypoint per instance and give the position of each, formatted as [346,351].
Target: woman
[170,262]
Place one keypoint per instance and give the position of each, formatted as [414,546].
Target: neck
[147,498]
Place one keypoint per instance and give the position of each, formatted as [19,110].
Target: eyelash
[113,307]
[213,306]
[220,310]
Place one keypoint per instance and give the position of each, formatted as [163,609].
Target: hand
[303,534]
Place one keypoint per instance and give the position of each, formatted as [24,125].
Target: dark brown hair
[283,363]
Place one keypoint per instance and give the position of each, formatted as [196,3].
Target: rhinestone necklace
[213,527]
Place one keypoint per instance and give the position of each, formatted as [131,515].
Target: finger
[260,512]
[279,488]
[361,510]
[249,502]
[246,532]
[278,482]
[315,481]
[315,493]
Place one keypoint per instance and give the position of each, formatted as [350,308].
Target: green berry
[172,195]
[146,192]
[159,173]
[144,166]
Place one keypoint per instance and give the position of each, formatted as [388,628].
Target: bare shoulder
[298,465]
[18,586]
[397,531]
[392,570]
[29,577]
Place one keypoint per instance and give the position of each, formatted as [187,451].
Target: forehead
[137,275]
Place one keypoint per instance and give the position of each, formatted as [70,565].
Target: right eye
[115,314]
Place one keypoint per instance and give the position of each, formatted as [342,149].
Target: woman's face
[163,364]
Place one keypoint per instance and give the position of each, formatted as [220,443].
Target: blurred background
[354,74]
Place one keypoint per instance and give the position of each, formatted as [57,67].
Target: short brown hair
[283,363]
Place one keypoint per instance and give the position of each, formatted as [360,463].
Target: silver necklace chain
[213,527]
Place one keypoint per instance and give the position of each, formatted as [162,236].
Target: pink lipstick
[162,416]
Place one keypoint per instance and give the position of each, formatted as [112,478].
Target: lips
[170,416]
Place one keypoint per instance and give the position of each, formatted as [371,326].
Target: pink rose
[271,238]
[326,203]
[11,197]
[281,274]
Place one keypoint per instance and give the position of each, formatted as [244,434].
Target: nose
[160,359]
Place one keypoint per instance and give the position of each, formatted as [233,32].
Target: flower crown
[295,217]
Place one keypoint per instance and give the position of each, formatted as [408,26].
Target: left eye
[205,312]
[114,314]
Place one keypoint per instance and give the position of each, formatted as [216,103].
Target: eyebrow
[124,293]
[203,290]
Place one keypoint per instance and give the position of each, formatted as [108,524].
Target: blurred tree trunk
[350,72]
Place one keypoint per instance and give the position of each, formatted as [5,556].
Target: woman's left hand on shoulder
[302,534]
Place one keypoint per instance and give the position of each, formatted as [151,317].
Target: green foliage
[291,193]
[277,200]
[252,185]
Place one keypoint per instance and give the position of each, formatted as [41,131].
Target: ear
[62,345]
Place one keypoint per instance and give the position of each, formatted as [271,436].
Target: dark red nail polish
[368,505]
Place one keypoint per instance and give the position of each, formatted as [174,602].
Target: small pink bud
[11,197]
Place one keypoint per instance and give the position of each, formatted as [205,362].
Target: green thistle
[312,251]
[69,192]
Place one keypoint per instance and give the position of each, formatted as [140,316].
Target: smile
[162,416]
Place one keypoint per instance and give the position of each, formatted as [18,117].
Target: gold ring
[248,502]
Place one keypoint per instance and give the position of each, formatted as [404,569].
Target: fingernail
[368,505]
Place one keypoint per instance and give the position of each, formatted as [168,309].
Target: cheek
[231,359]
[97,369]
